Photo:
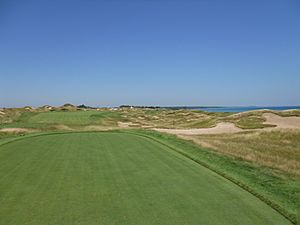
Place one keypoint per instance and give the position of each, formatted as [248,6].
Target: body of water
[237,108]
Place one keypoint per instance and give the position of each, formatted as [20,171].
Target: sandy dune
[292,122]
[221,128]
[126,124]
[97,128]
[15,130]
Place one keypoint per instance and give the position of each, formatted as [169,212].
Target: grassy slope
[68,118]
[278,150]
[281,190]
[116,178]
[45,120]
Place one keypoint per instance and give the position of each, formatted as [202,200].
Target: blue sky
[151,52]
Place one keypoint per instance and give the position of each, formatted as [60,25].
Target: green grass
[252,158]
[4,136]
[282,191]
[44,120]
[73,118]
[117,178]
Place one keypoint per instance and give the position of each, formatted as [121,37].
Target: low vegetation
[266,163]
[136,117]
[166,118]
[278,150]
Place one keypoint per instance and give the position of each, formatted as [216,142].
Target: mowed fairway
[116,178]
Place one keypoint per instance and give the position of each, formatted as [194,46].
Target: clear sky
[149,52]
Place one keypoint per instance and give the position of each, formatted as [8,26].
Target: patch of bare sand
[16,130]
[127,124]
[124,125]
[292,122]
[63,127]
[97,128]
[219,129]
[257,112]
[146,126]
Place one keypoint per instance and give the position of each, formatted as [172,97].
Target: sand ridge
[15,130]
[223,127]
[291,122]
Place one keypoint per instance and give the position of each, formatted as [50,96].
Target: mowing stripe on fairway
[116,178]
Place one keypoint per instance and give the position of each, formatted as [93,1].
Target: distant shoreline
[230,109]
[234,108]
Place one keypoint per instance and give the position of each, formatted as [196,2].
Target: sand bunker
[291,122]
[15,130]
[219,129]
[62,127]
[97,128]
[127,124]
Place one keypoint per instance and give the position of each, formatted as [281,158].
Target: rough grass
[116,178]
[160,118]
[248,120]
[156,118]
[288,113]
[278,150]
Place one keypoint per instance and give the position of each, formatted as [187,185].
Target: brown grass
[278,150]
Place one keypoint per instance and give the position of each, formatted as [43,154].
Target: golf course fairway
[116,178]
